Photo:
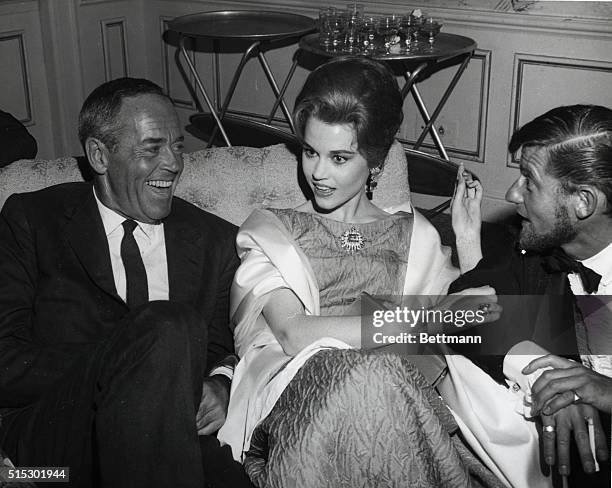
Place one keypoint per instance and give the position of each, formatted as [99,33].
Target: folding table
[261,27]
[448,48]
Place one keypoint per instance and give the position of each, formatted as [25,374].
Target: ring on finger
[549,428]
[484,307]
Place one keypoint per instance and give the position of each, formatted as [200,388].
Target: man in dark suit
[564,198]
[114,307]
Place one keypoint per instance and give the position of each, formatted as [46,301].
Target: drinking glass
[431,28]
[367,32]
[354,8]
[326,14]
[352,33]
[416,30]
[337,23]
[387,27]
[408,28]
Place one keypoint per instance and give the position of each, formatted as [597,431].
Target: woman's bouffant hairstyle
[357,91]
[578,142]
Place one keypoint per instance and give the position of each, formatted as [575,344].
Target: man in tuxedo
[114,338]
[564,198]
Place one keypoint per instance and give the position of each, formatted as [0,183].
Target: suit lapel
[185,252]
[85,233]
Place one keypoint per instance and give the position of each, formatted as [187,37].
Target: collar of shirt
[601,263]
[151,241]
[112,221]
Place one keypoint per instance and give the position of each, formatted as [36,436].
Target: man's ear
[97,155]
[587,201]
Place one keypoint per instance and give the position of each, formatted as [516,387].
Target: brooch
[352,240]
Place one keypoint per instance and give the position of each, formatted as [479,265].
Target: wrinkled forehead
[146,113]
[148,104]
[534,159]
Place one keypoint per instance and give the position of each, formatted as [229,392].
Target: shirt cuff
[515,361]
[225,367]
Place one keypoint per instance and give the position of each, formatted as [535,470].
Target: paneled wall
[54,52]
[22,77]
[531,56]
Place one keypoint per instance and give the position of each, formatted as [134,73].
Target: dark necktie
[137,290]
[559,262]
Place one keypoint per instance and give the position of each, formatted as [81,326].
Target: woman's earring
[372,183]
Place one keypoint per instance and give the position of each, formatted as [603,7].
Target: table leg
[217,71]
[411,78]
[410,86]
[444,98]
[429,124]
[202,90]
[232,88]
[281,95]
[274,86]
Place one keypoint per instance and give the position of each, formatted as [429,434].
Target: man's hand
[213,405]
[557,388]
[556,441]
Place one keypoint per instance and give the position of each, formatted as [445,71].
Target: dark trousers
[126,416]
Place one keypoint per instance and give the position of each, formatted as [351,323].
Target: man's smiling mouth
[159,183]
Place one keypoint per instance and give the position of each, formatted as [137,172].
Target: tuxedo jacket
[57,292]
[537,306]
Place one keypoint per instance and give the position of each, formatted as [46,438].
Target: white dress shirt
[599,332]
[596,337]
[152,244]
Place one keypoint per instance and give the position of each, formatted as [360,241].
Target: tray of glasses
[446,46]
[243,24]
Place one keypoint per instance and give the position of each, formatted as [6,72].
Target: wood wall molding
[90,2]
[13,7]
[20,74]
[561,17]
[59,26]
[594,87]
[485,80]
[114,47]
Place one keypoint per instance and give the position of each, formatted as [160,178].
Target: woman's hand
[467,219]
[568,382]
[465,208]
[470,307]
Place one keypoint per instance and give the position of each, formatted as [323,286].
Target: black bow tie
[559,262]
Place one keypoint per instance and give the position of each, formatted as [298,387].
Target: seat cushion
[232,182]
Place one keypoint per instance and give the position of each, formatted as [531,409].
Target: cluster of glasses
[353,32]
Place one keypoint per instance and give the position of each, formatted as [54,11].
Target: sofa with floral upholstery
[227,181]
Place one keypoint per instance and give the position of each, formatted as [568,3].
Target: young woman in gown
[308,407]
